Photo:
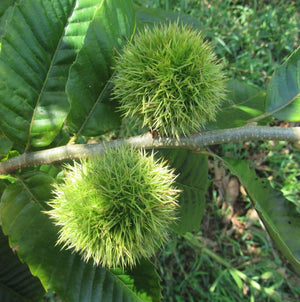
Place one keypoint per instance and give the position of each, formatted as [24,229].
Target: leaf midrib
[46,78]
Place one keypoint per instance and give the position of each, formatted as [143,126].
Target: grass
[283,169]
[253,36]
[253,39]
[276,161]
[232,258]
[228,260]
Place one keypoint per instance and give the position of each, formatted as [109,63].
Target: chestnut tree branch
[196,141]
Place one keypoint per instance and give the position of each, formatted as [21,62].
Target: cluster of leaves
[55,71]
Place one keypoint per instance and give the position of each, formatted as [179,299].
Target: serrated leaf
[192,169]
[16,282]
[29,229]
[88,89]
[143,280]
[243,103]
[147,281]
[38,47]
[279,215]
[283,93]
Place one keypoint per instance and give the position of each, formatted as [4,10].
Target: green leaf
[243,103]
[236,278]
[283,93]
[4,5]
[63,271]
[279,215]
[92,113]
[39,45]
[142,279]
[192,169]
[150,16]
[6,8]
[147,281]
[16,282]
[5,145]
[6,295]
[8,177]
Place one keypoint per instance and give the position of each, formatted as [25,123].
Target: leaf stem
[194,142]
[270,113]
[104,92]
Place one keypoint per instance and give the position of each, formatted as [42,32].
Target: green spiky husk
[115,208]
[169,80]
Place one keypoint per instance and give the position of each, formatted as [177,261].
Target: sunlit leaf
[243,103]
[38,47]
[92,113]
[283,94]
